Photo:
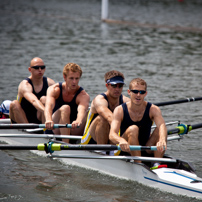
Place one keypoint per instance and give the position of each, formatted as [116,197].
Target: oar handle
[57,126]
[140,148]
[50,147]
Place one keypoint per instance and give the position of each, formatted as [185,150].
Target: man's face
[72,79]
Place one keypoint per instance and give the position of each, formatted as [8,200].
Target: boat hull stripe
[177,186]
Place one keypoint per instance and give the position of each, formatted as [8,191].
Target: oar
[50,147]
[139,158]
[192,99]
[31,126]
[184,129]
[48,136]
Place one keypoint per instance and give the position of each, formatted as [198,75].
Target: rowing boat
[178,177]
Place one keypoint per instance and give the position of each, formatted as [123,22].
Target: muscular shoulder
[83,94]
[125,99]
[54,90]
[50,81]
[100,100]
[98,104]
[154,111]
[118,112]
[24,86]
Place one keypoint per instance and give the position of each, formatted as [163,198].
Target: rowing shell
[178,178]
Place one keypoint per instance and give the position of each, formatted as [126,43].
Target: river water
[162,44]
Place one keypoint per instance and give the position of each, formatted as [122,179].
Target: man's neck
[36,81]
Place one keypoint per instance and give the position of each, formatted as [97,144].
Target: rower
[67,102]
[134,120]
[29,105]
[100,114]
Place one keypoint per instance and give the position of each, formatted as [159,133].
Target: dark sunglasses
[138,91]
[120,85]
[37,67]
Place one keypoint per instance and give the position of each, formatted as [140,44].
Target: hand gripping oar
[31,126]
[51,147]
[184,129]
[192,99]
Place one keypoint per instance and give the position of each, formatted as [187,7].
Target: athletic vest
[59,102]
[29,109]
[144,124]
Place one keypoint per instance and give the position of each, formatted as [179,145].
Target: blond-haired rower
[67,102]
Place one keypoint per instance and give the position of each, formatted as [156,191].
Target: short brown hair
[138,81]
[72,67]
[112,74]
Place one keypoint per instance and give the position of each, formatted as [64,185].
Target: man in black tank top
[100,114]
[29,106]
[135,118]
[67,103]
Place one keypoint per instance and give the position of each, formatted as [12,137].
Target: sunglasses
[37,67]
[138,91]
[120,85]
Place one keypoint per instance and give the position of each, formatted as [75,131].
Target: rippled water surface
[162,44]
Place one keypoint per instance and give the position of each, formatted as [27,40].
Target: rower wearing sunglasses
[29,106]
[100,114]
[134,120]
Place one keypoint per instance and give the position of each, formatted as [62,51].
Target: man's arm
[82,100]
[101,107]
[115,126]
[160,123]
[25,90]
[52,93]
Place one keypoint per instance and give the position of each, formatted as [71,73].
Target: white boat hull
[177,181]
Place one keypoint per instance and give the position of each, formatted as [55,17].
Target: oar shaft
[19,126]
[48,136]
[18,147]
[196,126]
[192,99]
[31,126]
[59,147]
[104,147]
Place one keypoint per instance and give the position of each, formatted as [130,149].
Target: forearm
[38,105]
[48,113]
[163,132]
[114,137]
[82,112]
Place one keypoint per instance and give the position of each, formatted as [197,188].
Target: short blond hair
[71,67]
[138,81]
[112,74]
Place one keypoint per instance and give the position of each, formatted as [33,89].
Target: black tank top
[144,124]
[29,109]
[59,102]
